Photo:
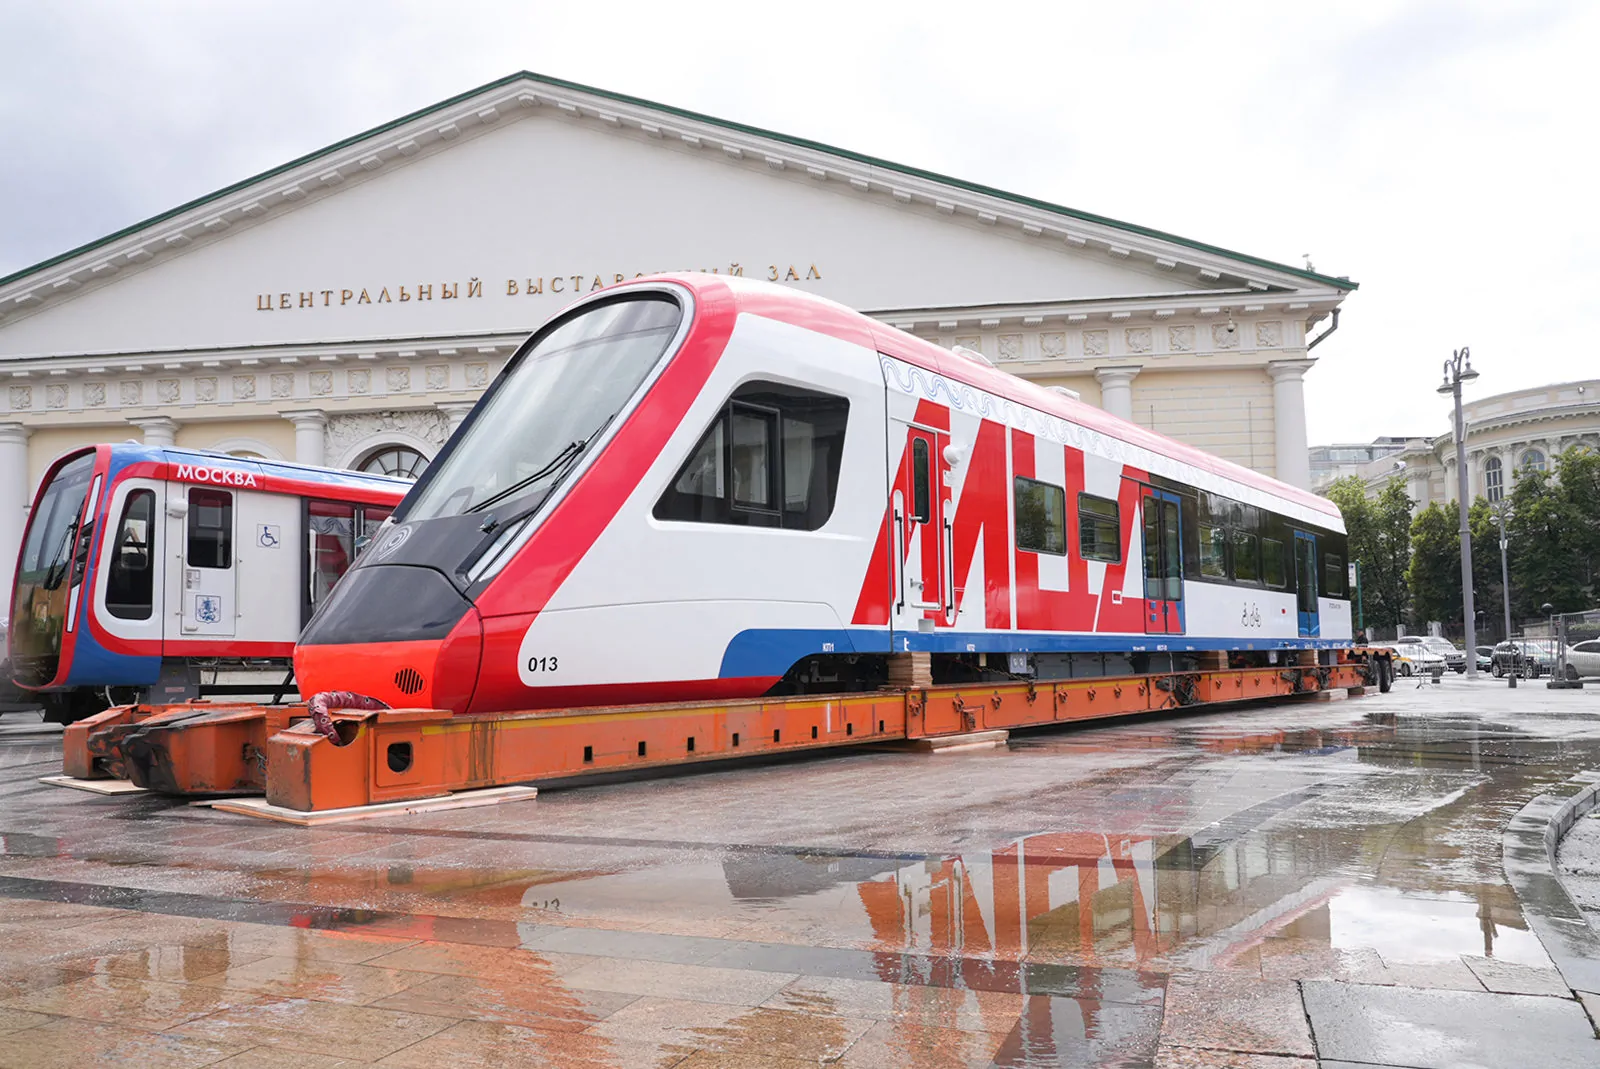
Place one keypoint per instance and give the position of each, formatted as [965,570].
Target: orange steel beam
[407,754]
[194,748]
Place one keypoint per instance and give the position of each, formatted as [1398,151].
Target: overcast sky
[1440,154]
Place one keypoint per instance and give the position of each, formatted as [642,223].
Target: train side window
[1041,516]
[752,436]
[1273,572]
[1246,561]
[130,583]
[1333,576]
[1213,552]
[210,528]
[331,544]
[771,458]
[921,480]
[1099,529]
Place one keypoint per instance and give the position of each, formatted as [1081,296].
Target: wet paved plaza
[1259,888]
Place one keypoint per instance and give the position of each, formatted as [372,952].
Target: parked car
[1454,658]
[1583,659]
[1485,658]
[1524,657]
[1416,659]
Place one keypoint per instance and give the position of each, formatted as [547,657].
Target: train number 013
[541,664]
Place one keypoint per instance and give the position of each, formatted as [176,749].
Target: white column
[310,429]
[1289,421]
[1116,390]
[158,430]
[455,412]
[14,500]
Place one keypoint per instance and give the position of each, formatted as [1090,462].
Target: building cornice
[520,95]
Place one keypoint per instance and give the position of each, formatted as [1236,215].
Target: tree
[1550,540]
[1434,576]
[1380,538]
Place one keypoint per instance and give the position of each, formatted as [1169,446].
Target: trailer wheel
[1385,675]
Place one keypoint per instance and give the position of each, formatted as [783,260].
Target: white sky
[1440,154]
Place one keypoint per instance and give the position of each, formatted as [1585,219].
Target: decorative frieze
[205,389]
[321,383]
[359,381]
[131,393]
[437,377]
[398,379]
[94,394]
[477,376]
[1052,345]
[1137,339]
[282,385]
[55,396]
[1096,342]
[168,391]
[244,387]
[1180,339]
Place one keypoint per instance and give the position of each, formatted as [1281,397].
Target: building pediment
[484,214]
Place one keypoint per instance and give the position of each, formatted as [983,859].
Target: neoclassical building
[349,306]
[1505,434]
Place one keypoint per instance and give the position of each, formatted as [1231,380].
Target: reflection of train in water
[696,487]
[149,572]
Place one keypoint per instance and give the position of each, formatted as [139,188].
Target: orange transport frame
[407,754]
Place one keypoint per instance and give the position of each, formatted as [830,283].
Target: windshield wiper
[58,564]
[564,459]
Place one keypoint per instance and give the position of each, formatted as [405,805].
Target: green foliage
[1380,538]
[1551,538]
[1434,575]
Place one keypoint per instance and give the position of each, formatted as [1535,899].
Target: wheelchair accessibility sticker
[208,608]
[268,535]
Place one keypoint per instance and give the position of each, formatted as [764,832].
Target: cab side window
[210,528]
[130,582]
[769,459]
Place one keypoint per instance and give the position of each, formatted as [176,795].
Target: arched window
[400,461]
[1494,485]
[1532,460]
[246,454]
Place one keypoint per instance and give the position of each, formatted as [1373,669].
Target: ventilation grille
[409,680]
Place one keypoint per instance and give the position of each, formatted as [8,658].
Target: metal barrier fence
[1574,638]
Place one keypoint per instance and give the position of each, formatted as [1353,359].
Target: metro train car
[152,573]
[693,487]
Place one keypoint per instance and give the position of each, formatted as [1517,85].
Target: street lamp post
[1458,369]
[1505,577]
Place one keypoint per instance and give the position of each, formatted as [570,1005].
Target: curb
[1528,855]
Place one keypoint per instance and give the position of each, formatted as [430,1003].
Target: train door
[209,595]
[921,529]
[1163,563]
[1305,581]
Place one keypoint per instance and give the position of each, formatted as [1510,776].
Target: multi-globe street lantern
[1457,370]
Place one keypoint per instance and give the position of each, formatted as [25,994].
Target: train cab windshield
[39,605]
[543,415]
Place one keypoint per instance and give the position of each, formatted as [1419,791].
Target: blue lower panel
[94,665]
[771,652]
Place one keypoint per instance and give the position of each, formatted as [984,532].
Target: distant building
[1506,433]
[1330,462]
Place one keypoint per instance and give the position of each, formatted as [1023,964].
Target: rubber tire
[1572,673]
[1530,671]
[1497,670]
[1385,675]
[1405,668]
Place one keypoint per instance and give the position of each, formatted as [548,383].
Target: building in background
[1330,462]
[1506,433]
[349,306]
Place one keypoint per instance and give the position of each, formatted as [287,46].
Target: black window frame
[776,404]
[1114,519]
[145,608]
[1020,483]
[1284,570]
[223,542]
[921,480]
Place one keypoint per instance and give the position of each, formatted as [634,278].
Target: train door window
[1041,511]
[1213,552]
[770,458]
[1273,572]
[130,582]
[210,528]
[1246,557]
[1099,529]
[752,437]
[921,482]
[368,520]
[330,545]
[1333,576]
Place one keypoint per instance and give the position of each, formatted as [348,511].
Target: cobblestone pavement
[1259,888]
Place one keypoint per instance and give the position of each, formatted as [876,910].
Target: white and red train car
[163,573]
[700,487]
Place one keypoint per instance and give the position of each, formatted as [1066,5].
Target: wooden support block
[911,670]
[1355,692]
[1307,659]
[1213,660]
[93,786]
[971,740]
[260,807]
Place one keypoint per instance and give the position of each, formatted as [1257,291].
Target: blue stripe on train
[771,651]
